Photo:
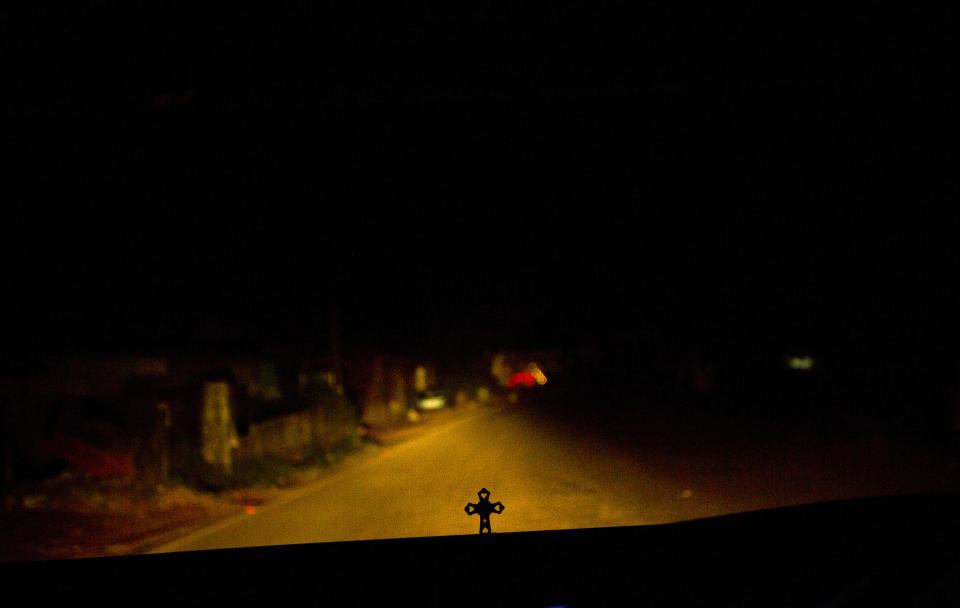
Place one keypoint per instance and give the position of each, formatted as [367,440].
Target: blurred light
[686,494]
[433,403]
[538,374]
[800,363]
[525,378]
[250,509]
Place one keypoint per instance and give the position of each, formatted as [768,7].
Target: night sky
[485,179]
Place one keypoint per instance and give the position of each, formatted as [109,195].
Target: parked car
[431,400]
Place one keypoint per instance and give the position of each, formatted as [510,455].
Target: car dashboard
[900,551]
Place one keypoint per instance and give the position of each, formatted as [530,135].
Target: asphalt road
[553,471]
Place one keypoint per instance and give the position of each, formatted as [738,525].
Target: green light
[800,363]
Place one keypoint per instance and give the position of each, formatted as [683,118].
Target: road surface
[557,472]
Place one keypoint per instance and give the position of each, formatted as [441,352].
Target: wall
[192,416]
[294,437]
[322,419]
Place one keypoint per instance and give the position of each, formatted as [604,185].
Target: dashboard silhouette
[901,551]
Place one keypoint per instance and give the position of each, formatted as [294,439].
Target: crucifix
[484,509]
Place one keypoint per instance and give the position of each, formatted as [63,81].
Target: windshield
[284,278]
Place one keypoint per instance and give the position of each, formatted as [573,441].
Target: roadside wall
[326,420]
[174,415]
[294,437]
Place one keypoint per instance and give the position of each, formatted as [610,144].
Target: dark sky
[475,179]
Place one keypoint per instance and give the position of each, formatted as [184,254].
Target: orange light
[250,509]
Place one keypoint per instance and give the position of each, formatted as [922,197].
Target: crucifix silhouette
[484,508]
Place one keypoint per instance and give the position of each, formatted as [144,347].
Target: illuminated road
[551,475]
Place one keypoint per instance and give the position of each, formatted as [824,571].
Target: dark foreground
[882,551]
